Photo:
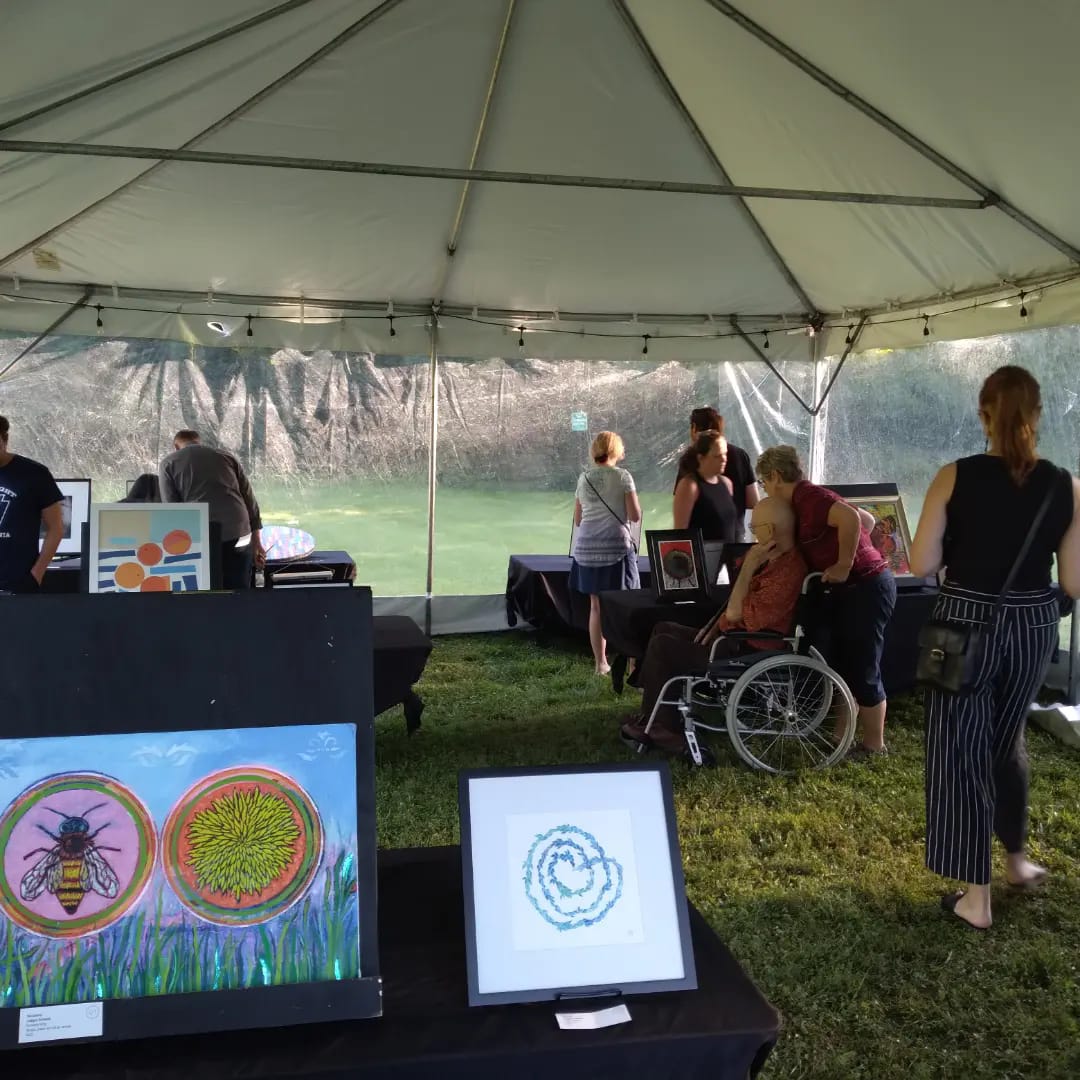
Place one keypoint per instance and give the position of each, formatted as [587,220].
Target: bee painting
[74,867]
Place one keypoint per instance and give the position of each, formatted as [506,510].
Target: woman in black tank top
[977,515]
[703,495]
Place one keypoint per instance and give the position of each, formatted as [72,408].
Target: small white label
[81,1021]
[601,1018]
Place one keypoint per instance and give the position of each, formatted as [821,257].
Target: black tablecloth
[538,592]
[401,651]
[723,1031]
[628,618]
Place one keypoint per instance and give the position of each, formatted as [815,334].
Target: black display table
[401,651]
[538,592]
[723,1031]
[628,618]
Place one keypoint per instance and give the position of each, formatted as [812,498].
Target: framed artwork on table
[149,547]
[74,512]
[677,561]
[890,534]
[573,883]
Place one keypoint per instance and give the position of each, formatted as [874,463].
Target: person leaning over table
[29,498]
[603,556]
[738,470]
[703,496]
[764,597]
[976,761]
[835,542]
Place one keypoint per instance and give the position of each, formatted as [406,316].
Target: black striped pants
[976,761]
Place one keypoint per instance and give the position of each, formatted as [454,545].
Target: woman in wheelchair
[763,598]
[834,541]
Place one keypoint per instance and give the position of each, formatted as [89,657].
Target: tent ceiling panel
[992,86]
[863,256]
[261,231]
[409,89]
[614,251]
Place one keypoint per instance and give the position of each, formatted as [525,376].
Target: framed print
[677,561]
[198,860]
[75,512]
[633,527]
[890,534]
[573,883]
[149,547]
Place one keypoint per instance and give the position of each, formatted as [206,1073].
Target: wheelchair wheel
[789,713]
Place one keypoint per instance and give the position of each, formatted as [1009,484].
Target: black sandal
[949,902]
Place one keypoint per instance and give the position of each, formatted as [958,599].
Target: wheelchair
[784,709]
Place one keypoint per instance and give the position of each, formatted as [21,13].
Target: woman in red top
[834,541]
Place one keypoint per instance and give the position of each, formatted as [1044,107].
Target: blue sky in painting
[159,767]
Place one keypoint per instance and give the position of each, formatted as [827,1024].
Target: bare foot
[1022,873]
[969,908]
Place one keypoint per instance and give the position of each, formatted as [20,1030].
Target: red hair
[1011,404]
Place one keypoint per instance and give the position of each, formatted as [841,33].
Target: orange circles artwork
[130,575]
[242,845]
[177,542]
[149,554]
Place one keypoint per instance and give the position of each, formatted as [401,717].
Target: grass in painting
[816,884]
[158,951]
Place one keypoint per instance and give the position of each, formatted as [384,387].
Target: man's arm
[254,514]
[169,493]
[53,519]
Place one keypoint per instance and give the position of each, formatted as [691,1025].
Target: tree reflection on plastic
[569,879]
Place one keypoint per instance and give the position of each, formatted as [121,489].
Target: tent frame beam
[156,62]
[478,142]
[160,154]
[80,303]
[989,196]
[699,136]
[349,32]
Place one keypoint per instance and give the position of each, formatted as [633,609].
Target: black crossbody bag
[951,653]
[626,527]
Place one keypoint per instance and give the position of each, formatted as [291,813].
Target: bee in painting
[74,867]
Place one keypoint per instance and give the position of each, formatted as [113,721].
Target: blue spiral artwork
[569,879]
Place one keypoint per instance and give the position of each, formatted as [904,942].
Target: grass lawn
[816,884]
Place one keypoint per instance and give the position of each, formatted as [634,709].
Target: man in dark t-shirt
[739,470]
[29,498]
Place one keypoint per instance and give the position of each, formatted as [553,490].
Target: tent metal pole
[81,302]
[769,364]
[433,458]
[849,345]
[432,172]
[818,418]
[478,142]
[349,32]
[990,197]
[681,107]
[158,61]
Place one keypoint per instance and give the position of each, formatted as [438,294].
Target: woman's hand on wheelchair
[836,574]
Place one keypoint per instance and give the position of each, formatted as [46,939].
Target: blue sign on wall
[579,421]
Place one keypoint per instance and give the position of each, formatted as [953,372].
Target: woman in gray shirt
[603,556]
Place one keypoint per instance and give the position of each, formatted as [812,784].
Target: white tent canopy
[657,173]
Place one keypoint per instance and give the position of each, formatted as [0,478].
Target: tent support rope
[158,61]
[349,32]
[478,142]
[990,197]
[681,107]
[81,302]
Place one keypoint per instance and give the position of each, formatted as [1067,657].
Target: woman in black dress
[976,762]
[703,495]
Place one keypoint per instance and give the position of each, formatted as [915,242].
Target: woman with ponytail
[976,762]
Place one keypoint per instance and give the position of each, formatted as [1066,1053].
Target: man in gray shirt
[197,473]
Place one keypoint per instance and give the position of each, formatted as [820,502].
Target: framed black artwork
[677,560]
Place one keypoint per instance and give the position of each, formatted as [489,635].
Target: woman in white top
[603,556]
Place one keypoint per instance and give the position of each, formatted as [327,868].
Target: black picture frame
[684,544]
[476,997]
[92,632]
[72,543]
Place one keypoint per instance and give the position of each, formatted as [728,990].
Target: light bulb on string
[250,332]
[1023,306]
[100,324]
[765,335]
[850,334]
[926,326]
[645,345]
[390,320]
[521,337]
